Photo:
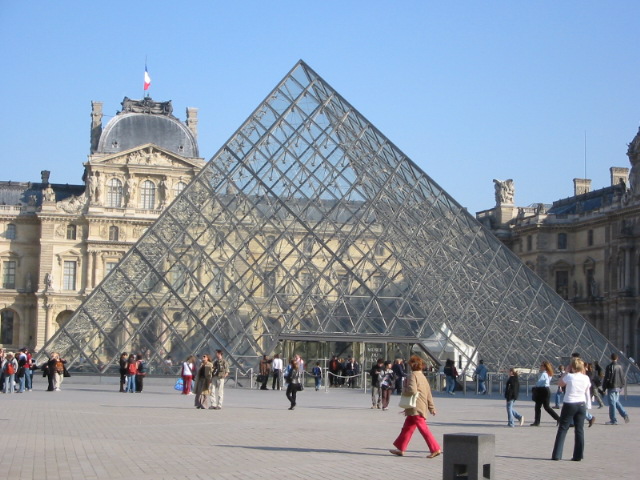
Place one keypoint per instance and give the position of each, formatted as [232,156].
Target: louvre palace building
[586,247]
[59,241]
[308,231]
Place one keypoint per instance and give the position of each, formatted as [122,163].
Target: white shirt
[577,388]
[276,364]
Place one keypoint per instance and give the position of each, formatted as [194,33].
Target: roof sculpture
[310,224]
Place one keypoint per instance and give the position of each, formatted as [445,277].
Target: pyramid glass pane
[310,224]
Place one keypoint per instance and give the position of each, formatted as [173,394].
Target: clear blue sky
[470,91]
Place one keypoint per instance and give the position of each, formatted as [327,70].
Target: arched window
[71,232]
[177,188]
[6,327]
[147,195]
[11,232]
[114,193]
[114,233]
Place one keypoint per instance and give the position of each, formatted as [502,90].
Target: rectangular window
[6,327]
[9,274]
[71,232]
[69,275]
[270,283]
[178,278]
[10,234]
[108,267]
[590,238]
[562,241]
[379,250]
[562,283]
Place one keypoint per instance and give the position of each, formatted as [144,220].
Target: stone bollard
[468,456]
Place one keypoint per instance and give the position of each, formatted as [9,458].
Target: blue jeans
[318,382]
[131,384]
[481,386]
[559,397]
[571,413]
[451,384]
[614,403]
[28,379]
[511,413]
[21,383]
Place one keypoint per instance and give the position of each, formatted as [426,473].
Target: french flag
[147,79]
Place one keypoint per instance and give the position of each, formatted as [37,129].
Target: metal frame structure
[308,222]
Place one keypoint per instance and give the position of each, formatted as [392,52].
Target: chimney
[581,185]
[619,175]
[96,125]
[192,121]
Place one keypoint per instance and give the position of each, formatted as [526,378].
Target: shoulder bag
[408,401]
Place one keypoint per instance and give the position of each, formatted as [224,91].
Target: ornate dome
[146,121]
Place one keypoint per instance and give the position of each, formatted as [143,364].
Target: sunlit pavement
[89,431]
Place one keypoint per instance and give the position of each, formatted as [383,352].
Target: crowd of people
[17,371]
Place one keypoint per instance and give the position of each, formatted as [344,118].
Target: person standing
[264,372]
[376,373]
[187,373]
[481,377]
[9,369]
[387,385]
[416,417]
[511,393]
[560,390]
[577,400]
[203,382]
[220,373]
[316,372]
[124,357]
[141,372]
[132,370]
[276,367]
[334,371]
[28,372]
[400,374]
[543,394]
[451,374]
[613,383]
[293,378]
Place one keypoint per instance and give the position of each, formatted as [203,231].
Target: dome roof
[145,121]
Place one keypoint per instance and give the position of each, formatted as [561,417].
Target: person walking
[264,372]
[613,383]
[276,366]
[542,394]
[203,382]
[293,379]
[400,373]
[376,373]
[559,391]
[416,417]
[481,377]
[316,372]
[577,400]
[511,393]
[220,373]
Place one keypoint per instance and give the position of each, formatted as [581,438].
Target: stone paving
[90,431]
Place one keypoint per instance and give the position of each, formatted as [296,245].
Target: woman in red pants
[415,417]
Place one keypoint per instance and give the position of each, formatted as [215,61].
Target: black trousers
[543,395]
[292,390]
[276,379]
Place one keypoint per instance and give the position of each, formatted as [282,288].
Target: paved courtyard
[90,431]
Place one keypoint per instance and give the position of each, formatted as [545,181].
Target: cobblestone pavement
[90,431]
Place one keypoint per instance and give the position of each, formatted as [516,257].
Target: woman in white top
[577,400]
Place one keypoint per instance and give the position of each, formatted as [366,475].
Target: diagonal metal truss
[309,222]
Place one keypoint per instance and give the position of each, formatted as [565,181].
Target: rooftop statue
[146,105]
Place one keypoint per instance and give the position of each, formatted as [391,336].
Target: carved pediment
[147,155]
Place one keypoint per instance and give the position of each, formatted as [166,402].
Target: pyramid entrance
[310,225]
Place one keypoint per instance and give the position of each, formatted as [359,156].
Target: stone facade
[587,247]
[57,242]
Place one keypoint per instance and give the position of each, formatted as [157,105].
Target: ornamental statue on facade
[633,152]
[146,105]
[505,191]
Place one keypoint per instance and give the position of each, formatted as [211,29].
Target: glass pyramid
[309,224]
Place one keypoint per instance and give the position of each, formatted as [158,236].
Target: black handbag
[65,372]
[534,394]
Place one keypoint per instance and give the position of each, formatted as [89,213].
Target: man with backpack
[141,372]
